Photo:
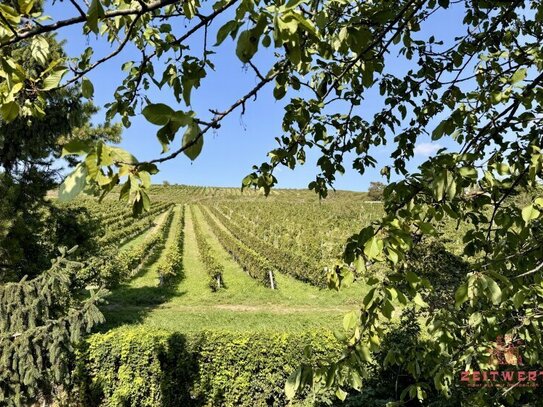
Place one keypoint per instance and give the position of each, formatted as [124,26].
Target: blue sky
[243,140]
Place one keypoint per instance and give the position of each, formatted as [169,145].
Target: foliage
[32,227]
[139,367]
[375,191]
[170,264]
[40,321]
[32,233]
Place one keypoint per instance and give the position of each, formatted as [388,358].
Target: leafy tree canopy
[32,228]
[482,90]
[376,190]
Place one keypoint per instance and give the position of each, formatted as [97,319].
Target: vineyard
[223,269]
[208,258]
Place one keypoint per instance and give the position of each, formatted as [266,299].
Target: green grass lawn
[244,305]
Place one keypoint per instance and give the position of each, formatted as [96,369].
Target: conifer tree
[40,321]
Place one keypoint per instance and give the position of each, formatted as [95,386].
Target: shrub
[139,367]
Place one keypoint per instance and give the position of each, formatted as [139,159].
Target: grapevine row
[213,267]
[170,262]
[132,259]
[111,267]
[131,228]
[253,263]
[285,261]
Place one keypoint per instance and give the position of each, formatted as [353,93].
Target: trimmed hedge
[140,367]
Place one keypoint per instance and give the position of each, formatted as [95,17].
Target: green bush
[139,367]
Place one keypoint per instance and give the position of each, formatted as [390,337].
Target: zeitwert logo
[507,368]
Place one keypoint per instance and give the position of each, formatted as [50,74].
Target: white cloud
[427,149]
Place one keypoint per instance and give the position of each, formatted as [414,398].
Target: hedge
[134,366]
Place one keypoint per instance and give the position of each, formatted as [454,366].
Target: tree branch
[78,7]
[509,111]
[117,51]
[32,32]
[532,271]
[216,120]
[380,37]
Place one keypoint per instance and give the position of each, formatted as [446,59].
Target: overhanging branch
[219,116]
[32,32]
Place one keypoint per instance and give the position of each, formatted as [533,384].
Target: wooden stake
[271,280]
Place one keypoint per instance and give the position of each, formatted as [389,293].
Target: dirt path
[271,308]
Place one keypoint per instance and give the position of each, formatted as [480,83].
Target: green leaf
[10,111]
[439,184]
[26,6]
[306,24]
[76,147]
[288,24]
[92,167]
[439,130]
[190,8]
[73,184]
[387,309]
[39,47]
[225,30]
[475,319]
[468,172]
[530,213]
[10,14]
[279,91]
[417,299]
[167,133]
[145,178]
[120,155]
[293,383]
[412,277]
[461,295]
[146,201]
[53,80]
[518,299]
[87,88]
[158,113]
[96,11]
[519,75]
[351,320]
[341,394]
[193,141]
[494,290]
[247,46]
[373,248]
